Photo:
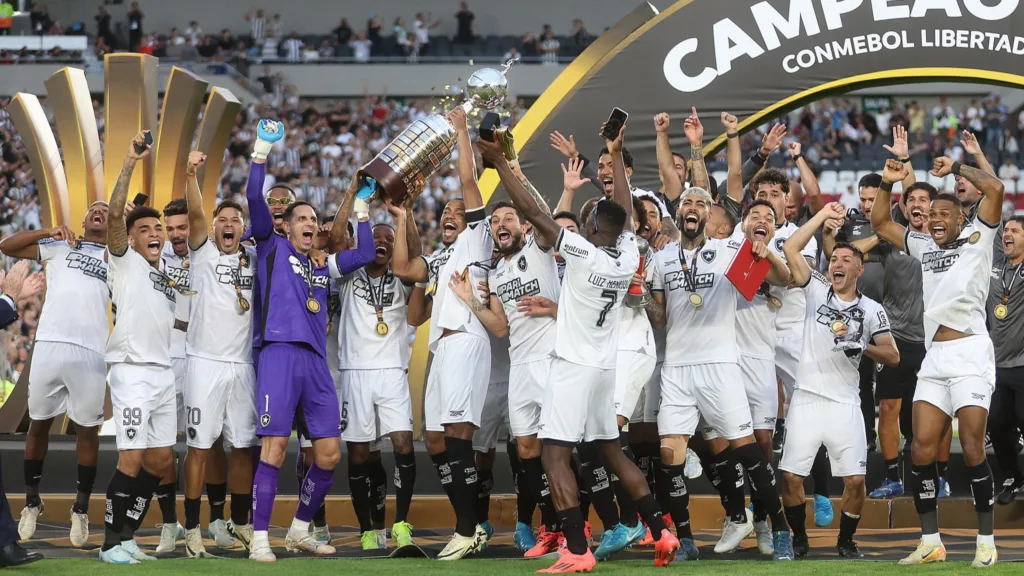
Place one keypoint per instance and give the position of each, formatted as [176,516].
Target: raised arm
[467,163]
[799,269]
[663,150]
[695,134]
[567,146]
[518,171]
[734,154]
[25,244]
[117,230]
[198,230]
[620,190]
[770,142]
[972,147]
[901,150]
[778,274]
[348,261]
[807,178]
[261,222]
[881,220]
[405,266]
[546,228]
[412,237]
[572,180]
[990,211]
[339,230]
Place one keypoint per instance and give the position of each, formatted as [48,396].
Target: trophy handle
[508,64]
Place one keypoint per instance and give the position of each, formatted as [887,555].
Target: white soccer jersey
[145,302]
[635,332]
[955,279]
[530,272]
[596,280]
[360,345]
[77,296]
[823,371]
[471,249]
[791,315]
[223,330]
[178,269]
[698,334]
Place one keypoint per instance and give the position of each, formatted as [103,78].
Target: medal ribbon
[377,298]
[690,272]
[1013,278]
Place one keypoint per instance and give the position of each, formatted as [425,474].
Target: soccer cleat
[194,547]
[488,531]
[570,563]
[132,548]
[823,514]
[984,556]
[926,554]
[262,553]
[588,531]
[461,546]
[322,534]
[218,532]
[801,546]
[849,549]
[242,532]
[297,541]
[79,529]
[943,488]
[402,533]
[369,540]
[547,542]
[782,543]
[691,467]
[733,533]
[27,523]
[636,534]
[665,549]
[687,551]
[169,536]
[763,532]
[888,489]
[523,537]
[648,538]
[117,555]
[612,541]
[1011,488]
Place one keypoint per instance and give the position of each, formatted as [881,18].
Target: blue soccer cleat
[687,550]
[888,489]
[523,537]
[823,514]
[943,487]
[612,541]
[636,534]
[782,542]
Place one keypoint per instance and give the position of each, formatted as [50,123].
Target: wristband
[887,186]
[732,134]
[758,159]
[956,168]
[797,157]
[904,160]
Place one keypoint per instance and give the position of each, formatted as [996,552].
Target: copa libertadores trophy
[405,164]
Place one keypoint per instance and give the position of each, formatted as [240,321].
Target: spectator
[39,18]
[56,29]
[208,48]
[257,26]
[227,41]
[465,31]
[343,33]
[189,53]
[421,28]
[401,37]
[241,61]
[1008,171]
[373,34]
[511,54]
[531,48]
[293,48]
[361,48]
[101,49]
[916,117]
[267,80]
[850,199]
[326,50]
[549,48]
[270,46]
[580,36]
[146,46]
[135,33]
[6,17]
[1008,144]
[174,38]
[102,25]
[194,32]
[276,27]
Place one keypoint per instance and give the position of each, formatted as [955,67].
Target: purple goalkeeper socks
[314,489]
[264,489]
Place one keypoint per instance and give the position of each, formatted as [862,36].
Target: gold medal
[696,300]
[775,301]
[1000,311]
[185,262]
[243,304]
[312,305]
[836,326]
[382,329]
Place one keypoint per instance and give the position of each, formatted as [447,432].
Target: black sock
[628,514]
[924,483]
[444,474]
[642,459]
[892,469]
[141,494]
[405,480]
[731,487]
[526,501]
[378,492]
[572,525]
[941,466]
[483,498]
[580,475]
[780,425]
[320,516]
[673,481]
[216,494]
[118,491]
[763,476]
[33,475]
[650,511]
[847,526]
[596,477]
[166,494]
[797,518]
[537,483]
[359,486]
[241,506]
[192,507]
[660,488]
[760,512]
[86,480]
[983,490]
[821,473]
[465,482]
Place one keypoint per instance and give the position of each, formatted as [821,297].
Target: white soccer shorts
[650,399]
[67,378]
[958,373]
[789,346]
[374,403]
[579,404]
[632,372]
[495,415]
[457,383]
[715,391]
[180,367]
[762,389]
[142,398]
[525,392]
[815,420]
[220,400]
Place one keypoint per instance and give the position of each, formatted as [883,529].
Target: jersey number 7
[612,296]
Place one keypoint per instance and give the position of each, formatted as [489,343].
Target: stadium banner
[758,60]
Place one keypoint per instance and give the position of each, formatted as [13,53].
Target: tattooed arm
[990,211]
[117,231]
[518,171]
[656,311]
[695,134]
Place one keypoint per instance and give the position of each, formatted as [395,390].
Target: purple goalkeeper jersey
[286,278]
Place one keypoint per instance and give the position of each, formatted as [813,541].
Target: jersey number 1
[612,296]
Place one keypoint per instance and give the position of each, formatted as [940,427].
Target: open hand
[566,146]
[900,145]
[537,306]
[32,287]
[15,278]
[970,143]
[571,177]
[773,139]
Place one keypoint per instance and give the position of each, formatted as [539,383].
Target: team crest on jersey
[265,420]
[708,256]
[522,264]
[974,238]
[162,284]
[364,291]
[88,265]
[514,289]
[303,271]
[778,243]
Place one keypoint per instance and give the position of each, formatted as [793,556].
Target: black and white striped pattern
[259,28]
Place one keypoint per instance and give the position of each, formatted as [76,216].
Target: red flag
[746,272]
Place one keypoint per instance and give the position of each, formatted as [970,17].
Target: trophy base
[390,184]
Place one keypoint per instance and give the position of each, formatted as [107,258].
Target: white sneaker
[926,554]
[218,532]
[322,534]
[117,555]
[764,538]
[79,529]
[692,468]
[382,539]
[461,546]
[27,523]
[298,542]
[242,532]
[194,547]
[262,553]
[132,548]
[733,533]
[984,556]
[169,536]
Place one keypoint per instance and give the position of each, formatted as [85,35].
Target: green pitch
[312,567]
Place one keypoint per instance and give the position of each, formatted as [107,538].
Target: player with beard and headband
[142,390]
[457,383]
[958,373]
[220,381]
[72,336]
[292,376]
[840,325]
[702,377]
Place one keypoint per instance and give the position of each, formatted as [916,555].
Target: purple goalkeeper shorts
[290,377]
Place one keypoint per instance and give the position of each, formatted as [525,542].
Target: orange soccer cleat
[547,542]
[665,549]
[570,563]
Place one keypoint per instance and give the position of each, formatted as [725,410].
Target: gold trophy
[405,164]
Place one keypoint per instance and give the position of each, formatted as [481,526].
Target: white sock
[932,539]
[260,538]
[990,539]
[300,526]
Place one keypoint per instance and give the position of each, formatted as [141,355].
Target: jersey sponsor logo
[303,272]
[362,290]
[226,274]
[575,251]
[608,283]
[437,261]
[179,275]
[677,280]
[161,284]
[88,265]
[940,261]
[515,289]
[852,317]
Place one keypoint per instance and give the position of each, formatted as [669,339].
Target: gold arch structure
[624,68]
[66,189]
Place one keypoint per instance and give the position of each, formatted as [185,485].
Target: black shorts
[1012,378]
[900,382]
